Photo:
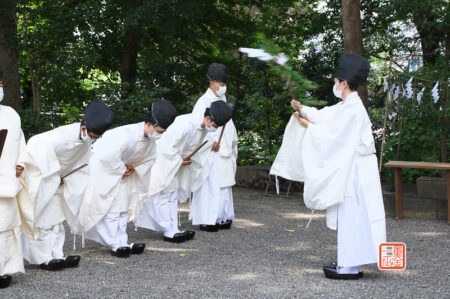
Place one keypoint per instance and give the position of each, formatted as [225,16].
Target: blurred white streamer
[263,55]
[434,92]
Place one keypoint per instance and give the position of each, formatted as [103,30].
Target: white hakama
[111,231]
[205,208]
[160,213]
[355,240]
[11,260]
[226,205]
[46,247]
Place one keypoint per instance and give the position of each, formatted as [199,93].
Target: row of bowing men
[98,179]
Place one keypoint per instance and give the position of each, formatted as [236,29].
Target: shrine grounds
[268,253]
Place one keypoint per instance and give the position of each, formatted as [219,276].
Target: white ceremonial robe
[212,200]
[170,182]
[57,153]
[16,194]
[340,172]
[111,200]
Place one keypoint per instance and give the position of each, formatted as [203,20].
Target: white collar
[351,98]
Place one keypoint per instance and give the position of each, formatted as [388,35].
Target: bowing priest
[62,155]
[212,204]
[115,191]
[176,169]
[16,192]
[340,171]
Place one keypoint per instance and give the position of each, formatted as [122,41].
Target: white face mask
[1,94]
[210,128]
[337,93]
[87,138]
[155,135]
[222,90]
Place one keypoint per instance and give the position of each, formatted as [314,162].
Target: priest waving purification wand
[339,168]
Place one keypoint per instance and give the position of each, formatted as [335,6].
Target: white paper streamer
[392,88]
[419,95]
[409,91]
[386,86]
[396,93]
[264,56]
[434,92]
[310,219]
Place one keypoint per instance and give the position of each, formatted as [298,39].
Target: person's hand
[296,105]
[130,170]
[19,170]
[301,120]
[216,146]
[186,161]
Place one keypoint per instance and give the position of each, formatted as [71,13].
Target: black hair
[207,112]
[352,86]
[150,119]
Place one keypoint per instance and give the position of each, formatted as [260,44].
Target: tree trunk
[131,46]
[445,103]
[429,36]
[353,43]
[9,55]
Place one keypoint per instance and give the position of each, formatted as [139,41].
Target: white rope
[83,244]
[74,242]
[179,216]
[277,184]
[310,218]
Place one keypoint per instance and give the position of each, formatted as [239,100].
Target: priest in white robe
[212,204]
[62,155]
[16,192]
[115,191]
[339,167]
[176,170]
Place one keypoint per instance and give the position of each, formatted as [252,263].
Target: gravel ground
[256,258]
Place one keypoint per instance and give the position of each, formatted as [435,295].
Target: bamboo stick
[76,169]
[196,150]
[143,162]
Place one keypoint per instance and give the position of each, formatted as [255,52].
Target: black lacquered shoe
[122,252]
[225,225]
[5,281]
[334,265]
[331,272]
[72,261]
[210,228]
[137,248]
[189,235]
[54,265]
[177,238]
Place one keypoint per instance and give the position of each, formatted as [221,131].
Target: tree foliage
[130,52]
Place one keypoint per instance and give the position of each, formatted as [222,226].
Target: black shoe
[177,238]
[331,272]
[72,261]
[334,265]
[209,228]
[137,248]
[225,225]
[121,252]
[54,265]
[5,280]
[189,235]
